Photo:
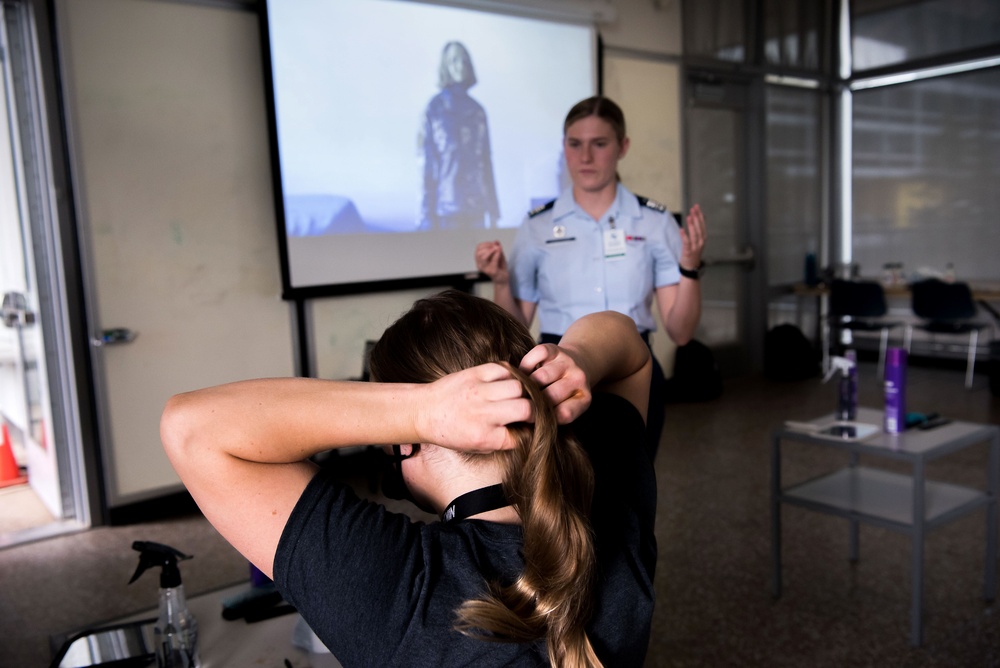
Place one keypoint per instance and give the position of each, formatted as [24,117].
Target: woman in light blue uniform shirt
[600,247]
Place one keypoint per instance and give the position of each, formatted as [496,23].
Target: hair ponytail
[549,480]
[547,477]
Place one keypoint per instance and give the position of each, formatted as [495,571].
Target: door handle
[15,310]
[744,256]
[114,336]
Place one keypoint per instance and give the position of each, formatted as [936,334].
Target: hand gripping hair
[547,477]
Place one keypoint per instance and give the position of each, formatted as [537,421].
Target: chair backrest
[858,299]
[933,299]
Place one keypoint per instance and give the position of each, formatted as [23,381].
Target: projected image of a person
[454,146]
[599,246]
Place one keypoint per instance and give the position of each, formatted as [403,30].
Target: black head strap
[477,501]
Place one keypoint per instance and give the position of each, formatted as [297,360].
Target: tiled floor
[713,578]
[21,509]
[714,571]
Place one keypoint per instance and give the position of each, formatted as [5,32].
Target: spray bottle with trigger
[176,629]
[847,396]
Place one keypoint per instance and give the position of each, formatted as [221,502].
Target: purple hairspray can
[895,390]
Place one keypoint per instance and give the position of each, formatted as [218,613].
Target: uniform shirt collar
[565,204]
[625,205]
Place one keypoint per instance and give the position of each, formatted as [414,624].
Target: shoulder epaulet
[656,206]
[541,209]
[650,204]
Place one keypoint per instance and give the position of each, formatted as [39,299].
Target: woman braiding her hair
[531,455]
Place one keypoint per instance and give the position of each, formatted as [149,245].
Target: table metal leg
[852,523]
[993,487]
[917,531]
[917,567]
[776,516]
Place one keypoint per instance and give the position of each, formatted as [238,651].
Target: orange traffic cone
[10,474]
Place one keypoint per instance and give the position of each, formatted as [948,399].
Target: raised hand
[471,409]
[693,238]
[490,260]
[563,381]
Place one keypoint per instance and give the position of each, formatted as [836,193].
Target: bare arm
[242,448]
[490,260]
[680,305]
[680,309]
[601,351]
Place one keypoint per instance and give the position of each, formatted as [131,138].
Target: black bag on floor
[789,355]
[696,375]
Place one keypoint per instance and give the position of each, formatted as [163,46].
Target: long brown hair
[547,477]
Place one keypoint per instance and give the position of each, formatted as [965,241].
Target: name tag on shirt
[614,244]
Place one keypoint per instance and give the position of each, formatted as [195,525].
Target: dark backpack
[789,355]
[696,375]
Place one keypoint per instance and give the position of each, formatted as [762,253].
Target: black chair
[860,306]
[946,309]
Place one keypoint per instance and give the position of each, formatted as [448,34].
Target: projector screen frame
[459,280]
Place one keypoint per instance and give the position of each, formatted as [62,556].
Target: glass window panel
[793,182]
[792,29]
[925,174]
[715,28]
[887,33]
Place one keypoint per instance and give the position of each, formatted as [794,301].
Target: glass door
[41,489]
[720,144]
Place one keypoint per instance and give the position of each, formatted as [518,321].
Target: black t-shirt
[381,590]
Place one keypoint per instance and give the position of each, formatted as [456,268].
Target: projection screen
[403,133]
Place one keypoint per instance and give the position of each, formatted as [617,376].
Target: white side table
[910,504]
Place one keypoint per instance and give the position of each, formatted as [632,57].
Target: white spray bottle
[847,396]
[176,628]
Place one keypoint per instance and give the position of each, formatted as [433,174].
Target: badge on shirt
[559,235]
[614,244]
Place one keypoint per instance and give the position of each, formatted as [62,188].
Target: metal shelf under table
[907,503]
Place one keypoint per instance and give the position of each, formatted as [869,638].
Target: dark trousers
[656,413]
